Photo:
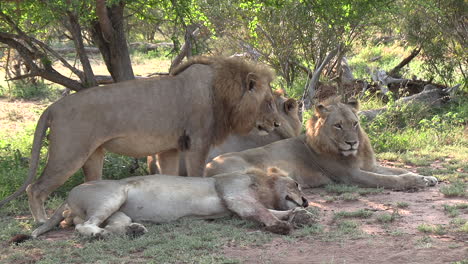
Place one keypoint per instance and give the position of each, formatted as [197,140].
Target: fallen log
[431,96]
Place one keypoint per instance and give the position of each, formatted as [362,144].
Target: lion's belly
[141,145]
[167,198]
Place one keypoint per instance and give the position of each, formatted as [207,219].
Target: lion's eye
[297,184]
[338,126]
[355,124]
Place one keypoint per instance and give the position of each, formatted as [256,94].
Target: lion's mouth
[304,204]
[349,152]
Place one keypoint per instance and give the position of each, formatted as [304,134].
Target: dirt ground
[380,244]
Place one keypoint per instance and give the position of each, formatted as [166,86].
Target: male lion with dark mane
[334,149]
[98,208]
[204,101]
[290,127]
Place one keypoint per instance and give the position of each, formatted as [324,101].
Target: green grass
[180,241]
[387,217]
[454,210]
[456,189]
[343,188]
[435,229]
[362,213]
[402,204]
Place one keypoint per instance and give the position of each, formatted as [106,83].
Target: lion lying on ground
[268,197]
[290,127]
[334,149]
[204,101]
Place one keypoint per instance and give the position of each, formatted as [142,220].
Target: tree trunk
[87,78]
[186,51]
[312,87]
[109,35]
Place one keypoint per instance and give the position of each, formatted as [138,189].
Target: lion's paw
[135,230]
[91,230]
[301,217]
[430,181]
[281,227]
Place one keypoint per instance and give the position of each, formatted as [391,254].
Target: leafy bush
[415,126]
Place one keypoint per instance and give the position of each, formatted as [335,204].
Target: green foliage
[414,127]
[39,90]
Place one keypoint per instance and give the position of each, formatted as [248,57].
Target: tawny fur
[334,149]
[98,208]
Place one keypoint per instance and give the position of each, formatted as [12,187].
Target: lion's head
[288,116]
[242,96]
[276,190]
[334,129]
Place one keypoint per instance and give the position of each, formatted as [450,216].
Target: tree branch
[29,57]
[104,22]
[405,61]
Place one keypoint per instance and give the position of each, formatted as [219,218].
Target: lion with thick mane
[269,197]
[290,127]
[204,101]
[334,149]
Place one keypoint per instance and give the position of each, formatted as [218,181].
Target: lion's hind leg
[96,202]
[120,223]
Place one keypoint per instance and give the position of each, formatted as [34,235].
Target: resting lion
[101,207]
[204,101]
[290,127]
[334,149]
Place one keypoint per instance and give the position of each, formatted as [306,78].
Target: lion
[290,127]
[214,97]
[334,149]
[99,208]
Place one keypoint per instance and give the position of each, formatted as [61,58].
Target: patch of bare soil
[395,242]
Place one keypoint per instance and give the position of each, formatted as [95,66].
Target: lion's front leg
[248,207]
[195,161]
[168,162]
[398,182]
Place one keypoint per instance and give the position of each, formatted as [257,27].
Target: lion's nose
[277,124]
[305,203]
[351,143]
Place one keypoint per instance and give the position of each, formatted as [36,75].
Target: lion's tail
[39,135]
[56,218]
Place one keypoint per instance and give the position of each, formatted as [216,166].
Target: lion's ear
[251,81]
[354,103]
[290,105]
[321,110]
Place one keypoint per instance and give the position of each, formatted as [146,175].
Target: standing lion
[204,101]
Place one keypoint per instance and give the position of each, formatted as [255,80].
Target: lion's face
[256,108]
[289,192]
[335,129]
[287,115]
